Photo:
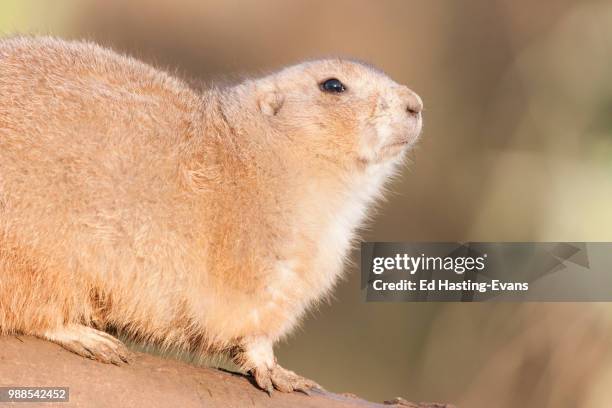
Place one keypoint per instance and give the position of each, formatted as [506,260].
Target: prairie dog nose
[413,102]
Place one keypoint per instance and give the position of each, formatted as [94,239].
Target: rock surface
[149,381]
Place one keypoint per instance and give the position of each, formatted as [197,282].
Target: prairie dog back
[89,167]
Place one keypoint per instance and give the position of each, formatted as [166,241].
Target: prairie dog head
[342,110]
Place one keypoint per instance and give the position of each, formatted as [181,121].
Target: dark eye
[332,85]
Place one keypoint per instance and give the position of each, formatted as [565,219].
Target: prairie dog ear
[270,101]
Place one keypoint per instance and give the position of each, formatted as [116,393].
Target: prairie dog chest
[335,225]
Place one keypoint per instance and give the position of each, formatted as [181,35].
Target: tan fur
[207,222]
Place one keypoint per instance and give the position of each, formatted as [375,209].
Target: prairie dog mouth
[407,138]
[393,149]
[397,145]
[400,142]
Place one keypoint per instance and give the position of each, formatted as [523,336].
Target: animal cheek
[369,142]
[371,138]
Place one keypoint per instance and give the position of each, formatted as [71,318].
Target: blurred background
[517,146]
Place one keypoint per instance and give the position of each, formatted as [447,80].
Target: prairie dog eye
[332,85]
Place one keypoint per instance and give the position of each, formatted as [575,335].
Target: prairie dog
[209,221]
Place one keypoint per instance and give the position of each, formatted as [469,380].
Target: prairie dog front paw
[256,357]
